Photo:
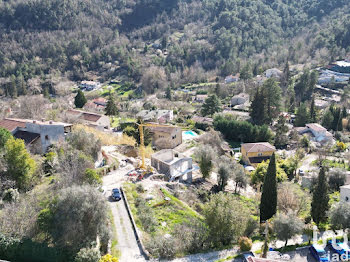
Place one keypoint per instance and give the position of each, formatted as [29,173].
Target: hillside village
[231,168]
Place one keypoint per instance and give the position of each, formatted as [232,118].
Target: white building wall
[345,193]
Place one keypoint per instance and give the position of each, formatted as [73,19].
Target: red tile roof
[12,124]
[91,117]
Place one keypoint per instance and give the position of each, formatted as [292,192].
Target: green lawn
[172,211]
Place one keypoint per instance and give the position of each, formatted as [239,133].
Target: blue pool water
[190,133]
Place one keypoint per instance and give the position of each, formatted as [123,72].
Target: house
[255,153]
[98,104]
[166,137]
[318,133]
[231,78]
[199,98]
[160,116]
[345,193]
[97,121]
[273,72]
[240,99]
[38,135]
[173,164]
[89,85]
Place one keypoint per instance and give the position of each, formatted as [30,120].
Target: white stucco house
[37,135]
[231,78]
[318,133]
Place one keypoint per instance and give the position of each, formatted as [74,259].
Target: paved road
[127,244]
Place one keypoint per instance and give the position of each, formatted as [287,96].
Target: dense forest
[42,38]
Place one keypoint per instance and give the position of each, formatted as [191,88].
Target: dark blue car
[319,253]
[116,194]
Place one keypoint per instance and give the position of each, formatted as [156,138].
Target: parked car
[339,248]
[116,194]
[319,253]
[301,172]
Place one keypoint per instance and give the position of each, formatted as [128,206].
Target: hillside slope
[68,37]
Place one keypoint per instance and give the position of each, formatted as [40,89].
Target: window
[260,154]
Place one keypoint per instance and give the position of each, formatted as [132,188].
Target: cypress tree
[80,99]
[313,116]
[320,199]
[268,204]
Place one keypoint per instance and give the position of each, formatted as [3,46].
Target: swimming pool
[190,133]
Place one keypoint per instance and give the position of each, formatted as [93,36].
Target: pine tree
[272,93]
[111,107]
[80,99]
[268,204]
[211,106]
[320,199]
[246,72]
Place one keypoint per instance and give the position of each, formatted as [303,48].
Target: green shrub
[88,255]
[92,178]
[245,244]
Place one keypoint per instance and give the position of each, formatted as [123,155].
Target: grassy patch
[172,211]
[332,163]
[186,207]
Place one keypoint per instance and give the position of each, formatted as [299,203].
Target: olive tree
[287,226]
[225,172]
[340,215]
[75,218]
[85,142]
[336,178]
[226,219]
[205,156]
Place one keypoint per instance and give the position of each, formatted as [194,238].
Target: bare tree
[292,197]
[18,219]
[154,79]
[33,107]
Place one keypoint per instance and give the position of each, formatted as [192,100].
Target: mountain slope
[69,37]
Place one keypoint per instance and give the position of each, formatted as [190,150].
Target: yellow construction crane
[142,139]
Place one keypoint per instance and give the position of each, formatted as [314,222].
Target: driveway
[127,244]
